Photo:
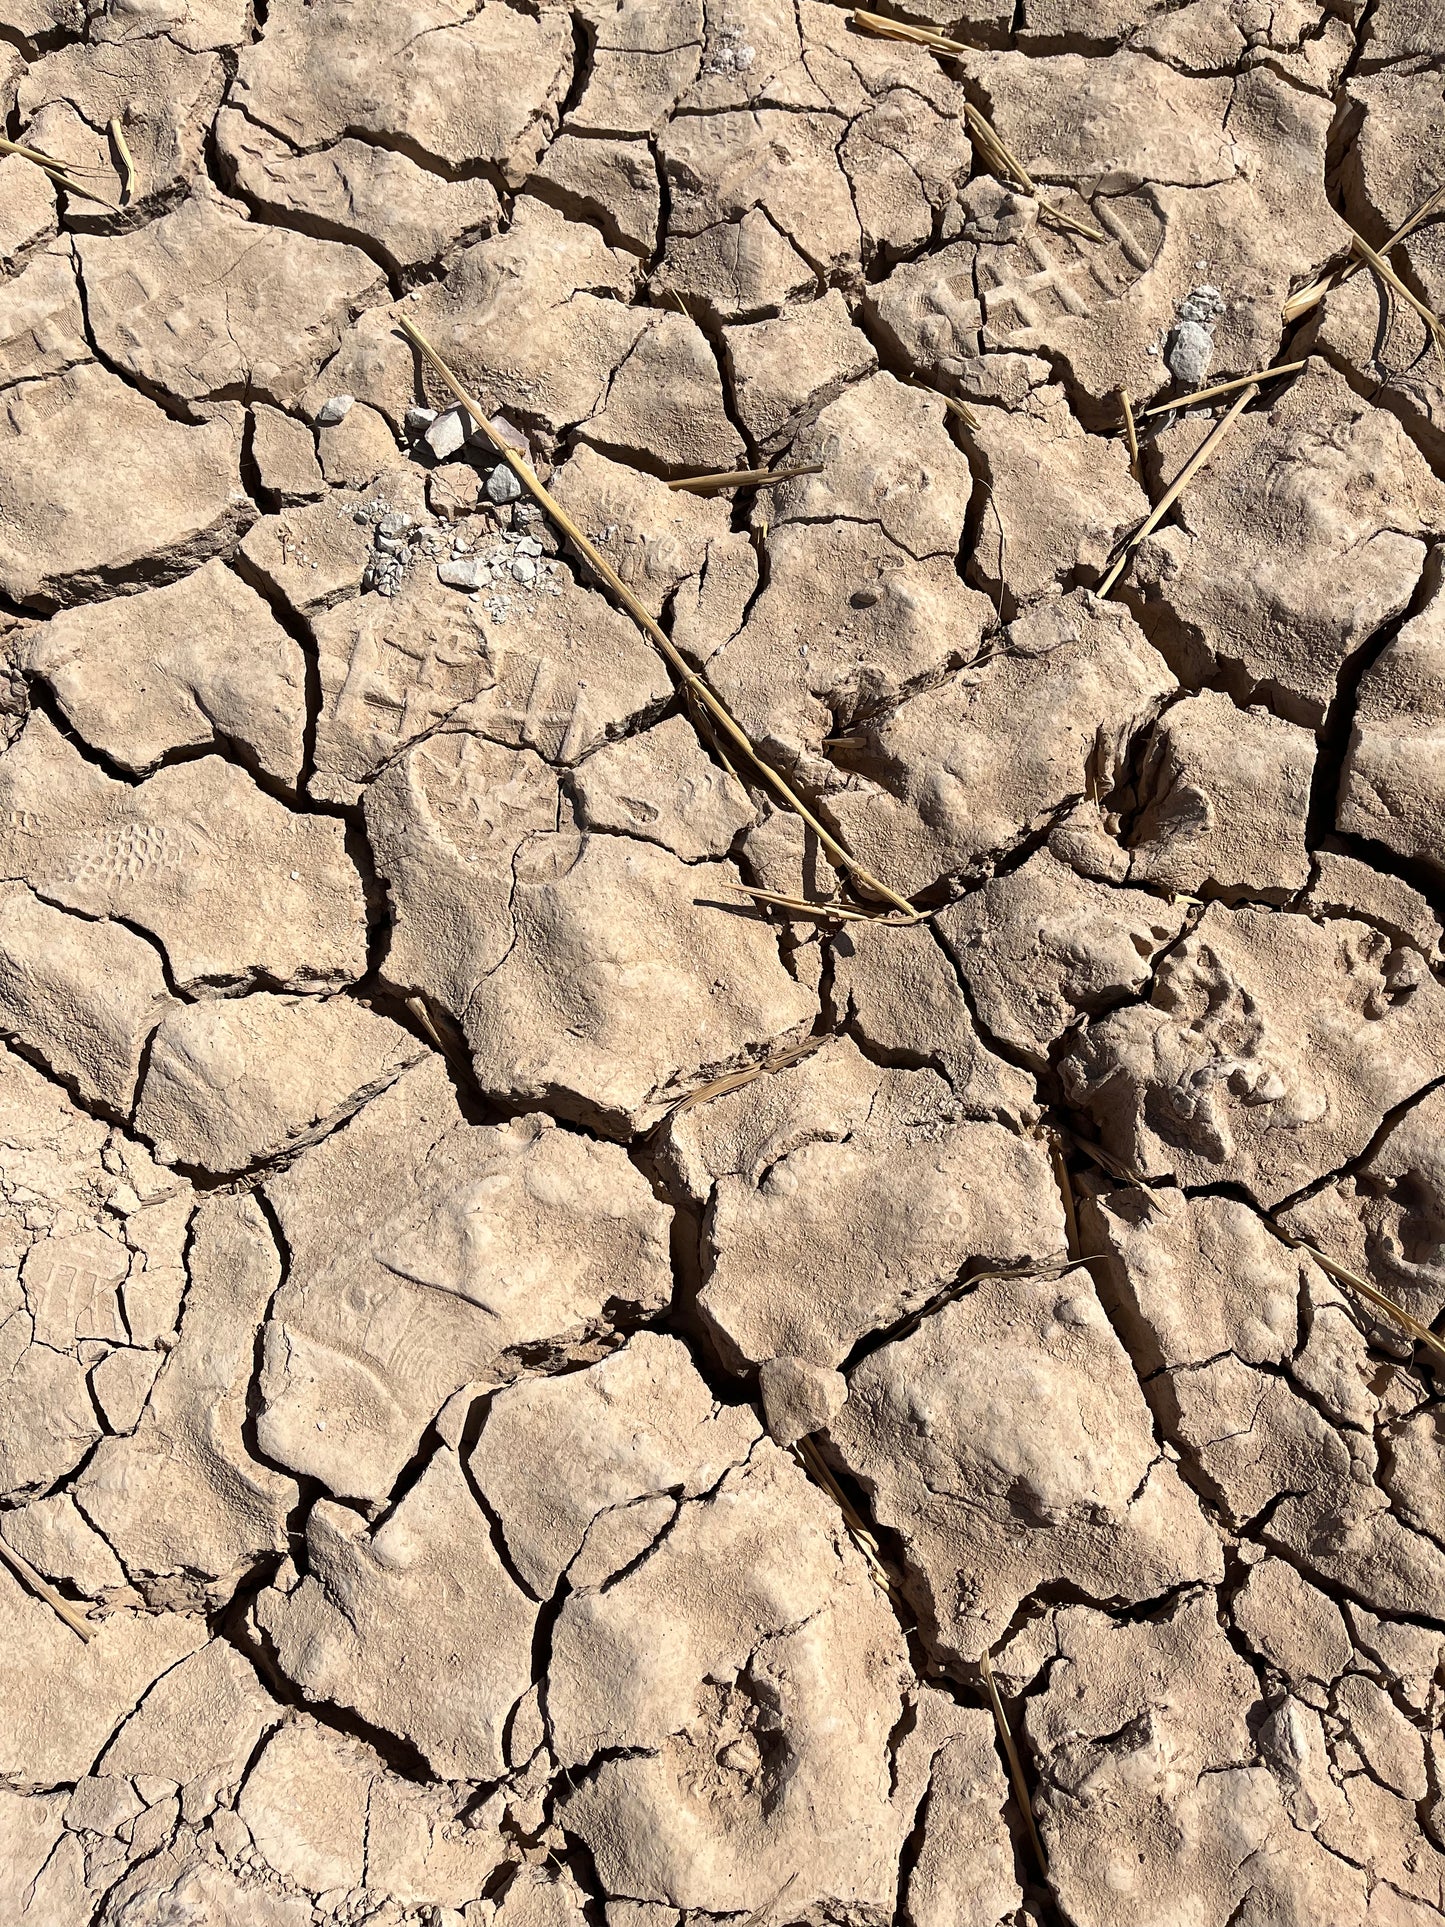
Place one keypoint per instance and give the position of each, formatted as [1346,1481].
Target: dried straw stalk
[1066,1194]
[759,1914]
[58,172]
[1388,275]
[737,1080]
[951,402]
[1422,1334]
[1303,299]
[745,477]
[1223,388]
[1176,488]
[42,1588]
[1131,433]
[998,156]
[818,1470]
[828,912]
[117,135]
[1015,1767]
[691,679]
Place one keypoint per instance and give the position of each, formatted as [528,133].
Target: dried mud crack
[722,998]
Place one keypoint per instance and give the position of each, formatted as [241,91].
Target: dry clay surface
[535,1393]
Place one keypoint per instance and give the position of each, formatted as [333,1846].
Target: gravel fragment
[334,410]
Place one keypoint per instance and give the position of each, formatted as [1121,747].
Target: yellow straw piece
[745,477]
[691,678]
[1223,388]
[117,135]
[1176,488]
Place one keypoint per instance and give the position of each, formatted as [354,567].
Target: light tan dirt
[539,1388]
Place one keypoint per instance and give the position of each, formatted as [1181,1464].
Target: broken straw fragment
[745,477]
[117,135]
[1303,299]
[1388,275]
[996,152]
[1176,488]
[1015,1765]
[42,1588]
[692,679]
[58,173]
[1223,388]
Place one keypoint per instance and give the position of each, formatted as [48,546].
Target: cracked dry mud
[533,1392]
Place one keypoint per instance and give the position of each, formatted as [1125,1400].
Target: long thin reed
[691,678]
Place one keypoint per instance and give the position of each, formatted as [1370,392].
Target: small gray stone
[334,410]
[1190,346]
[445,435]
[524,569]
[417,421]
[502,485]
[471,573]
